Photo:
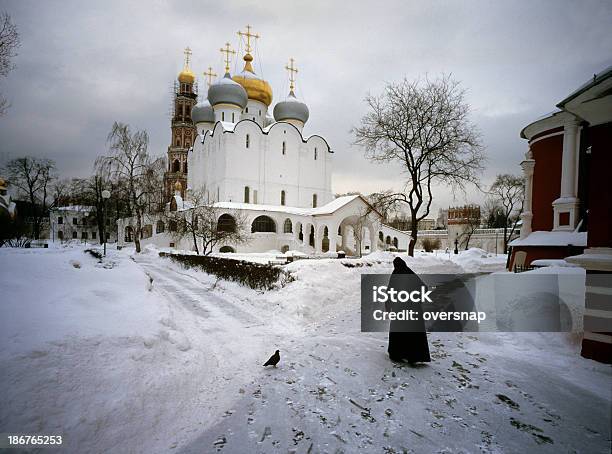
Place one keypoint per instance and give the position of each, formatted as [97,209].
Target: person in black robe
[407,338]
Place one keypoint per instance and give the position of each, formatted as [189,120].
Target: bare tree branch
[423,127]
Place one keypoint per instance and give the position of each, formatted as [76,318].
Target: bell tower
[185,96]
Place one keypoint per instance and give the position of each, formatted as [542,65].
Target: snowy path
[123,364]
[336,391]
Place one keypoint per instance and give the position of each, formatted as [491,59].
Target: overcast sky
[84,65]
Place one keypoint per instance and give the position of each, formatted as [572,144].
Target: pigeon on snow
[274,359]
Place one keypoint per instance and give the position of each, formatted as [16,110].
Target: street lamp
[105,196]
[457,244]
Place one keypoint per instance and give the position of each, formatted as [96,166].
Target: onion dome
[178,186]
[291,109]
[186,76]
[256,88]
[203,113]
[226,91]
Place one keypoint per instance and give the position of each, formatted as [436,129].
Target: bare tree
[472,222]
[130,162]
[423,127]
[33,178]
[9,42]
[508,192]
[359,224]
[205,223]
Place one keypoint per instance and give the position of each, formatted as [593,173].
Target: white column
[569,169]
[566,206]
[528,166]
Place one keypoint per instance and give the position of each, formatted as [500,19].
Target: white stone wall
[222,164]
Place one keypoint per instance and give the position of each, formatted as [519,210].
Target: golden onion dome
[186,76]
[178,186]
[256,88]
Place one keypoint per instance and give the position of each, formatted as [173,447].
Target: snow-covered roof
[329,208]
[541,238]
[79,208]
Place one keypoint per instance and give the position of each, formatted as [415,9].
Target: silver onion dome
[226,91]
[203,113]
[291,109]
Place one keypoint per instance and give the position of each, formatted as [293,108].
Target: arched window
[248,141]
[226,249]
[129,234]
[176,166]
[263,224]
[232,117]
[315,153]
[185,167]
[339,230]
[283,197]
[287,226]
[160,227]
[388,240]
[381,237]
[60,235]
[172,225]
[284,147]
[146,231]
[226,223]
[301,234]
[325,240]
[311,237]
[247,193]
[314,200]
[395,242]
[222,116]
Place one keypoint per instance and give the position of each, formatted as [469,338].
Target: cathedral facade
[233,151]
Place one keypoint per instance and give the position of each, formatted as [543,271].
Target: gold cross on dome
[187,53]
[248,36]
[209,75]
[292,72]
[227,50]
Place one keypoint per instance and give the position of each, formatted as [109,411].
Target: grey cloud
[84,65]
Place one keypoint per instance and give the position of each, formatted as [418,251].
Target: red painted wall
[600,194]
[546,180]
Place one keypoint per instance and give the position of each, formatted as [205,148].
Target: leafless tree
[508,192]
[472,222]
[130,163]
[33,178]
[360,223]
[9,42]
[205,223]
[423,127]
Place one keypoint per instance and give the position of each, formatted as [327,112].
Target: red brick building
[568,199]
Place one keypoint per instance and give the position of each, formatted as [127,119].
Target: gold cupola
[186,76]
[256,88]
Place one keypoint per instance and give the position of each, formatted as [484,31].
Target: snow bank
[49,294]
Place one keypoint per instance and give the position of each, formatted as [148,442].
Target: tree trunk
[137,232]
[195,242]
[414,228]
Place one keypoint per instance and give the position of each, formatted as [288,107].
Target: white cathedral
[264,168]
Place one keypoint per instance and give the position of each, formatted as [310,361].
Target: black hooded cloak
[407,338]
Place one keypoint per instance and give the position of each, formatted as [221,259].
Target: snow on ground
[149,357]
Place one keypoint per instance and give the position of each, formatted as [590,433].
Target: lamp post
[456,251]
[105,196]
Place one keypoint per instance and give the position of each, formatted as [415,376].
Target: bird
[274,359]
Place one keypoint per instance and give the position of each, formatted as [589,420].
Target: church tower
[183,130]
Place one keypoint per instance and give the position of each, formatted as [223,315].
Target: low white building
[336,226]
[77,222]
